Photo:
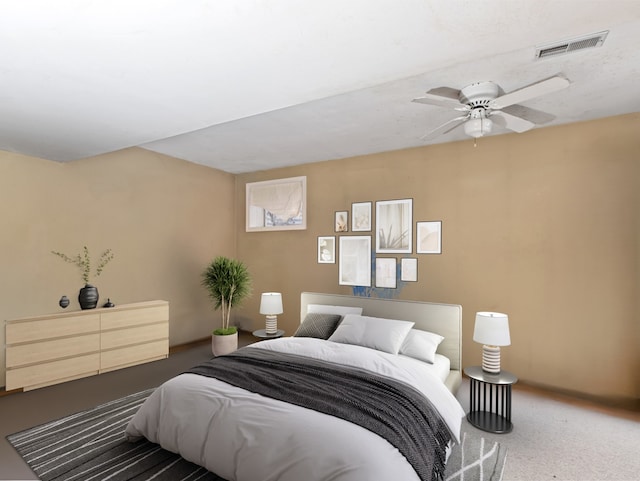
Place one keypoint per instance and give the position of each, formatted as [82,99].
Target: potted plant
[228,283]
[88,296]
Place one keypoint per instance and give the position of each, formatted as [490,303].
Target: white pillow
[376,333]
[341,310]
[421,345]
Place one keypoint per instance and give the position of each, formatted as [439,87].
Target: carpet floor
[90,446]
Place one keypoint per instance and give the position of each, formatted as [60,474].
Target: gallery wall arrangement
[378,271]
[280,204]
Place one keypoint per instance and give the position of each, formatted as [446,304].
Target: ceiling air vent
[571,45]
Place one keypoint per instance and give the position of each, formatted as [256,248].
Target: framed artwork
[341,221]
[409,269]
[277,204]
[393,226]
[361,217]
[386,272]
[429,237]
[327,250]
[355,261]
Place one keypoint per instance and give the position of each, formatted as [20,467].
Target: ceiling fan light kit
[481,100]
[478,126]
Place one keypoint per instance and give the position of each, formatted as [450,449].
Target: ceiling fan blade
[537,89]
[442,97]
[448,126]
[538,117]
[511,122]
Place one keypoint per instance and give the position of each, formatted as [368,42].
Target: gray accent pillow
[319,325]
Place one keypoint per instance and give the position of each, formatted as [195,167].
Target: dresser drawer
[128,356]
[25,354]
[44,374]
[29,330]
[133,317]
[134,335]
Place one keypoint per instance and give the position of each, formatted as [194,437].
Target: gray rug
[90,446]
[476,458]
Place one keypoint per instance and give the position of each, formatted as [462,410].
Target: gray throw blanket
[388,408]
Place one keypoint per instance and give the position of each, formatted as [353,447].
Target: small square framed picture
[409,269]
[342,221]
[429,237]
[327,250]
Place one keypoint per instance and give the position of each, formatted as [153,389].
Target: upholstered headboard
[443,319]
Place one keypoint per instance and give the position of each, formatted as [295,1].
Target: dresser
[55,348]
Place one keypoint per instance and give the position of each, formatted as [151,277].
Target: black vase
[88,297]
[64,302]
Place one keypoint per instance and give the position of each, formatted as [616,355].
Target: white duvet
[242,436]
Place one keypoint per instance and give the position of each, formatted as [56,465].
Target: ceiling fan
[483,103]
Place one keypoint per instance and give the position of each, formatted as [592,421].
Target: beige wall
[544,226]
[164,219]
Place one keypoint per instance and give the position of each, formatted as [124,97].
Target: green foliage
[83,261]
[228,283]
[225,332]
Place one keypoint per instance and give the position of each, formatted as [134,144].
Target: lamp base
[271,326]
[491,359]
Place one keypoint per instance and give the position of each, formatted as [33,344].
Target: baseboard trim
[244,338]
[188,345]
[4,392]
[617,405]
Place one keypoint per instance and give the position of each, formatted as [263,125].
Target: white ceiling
[246,85]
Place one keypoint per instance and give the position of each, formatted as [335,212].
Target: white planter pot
[221,345]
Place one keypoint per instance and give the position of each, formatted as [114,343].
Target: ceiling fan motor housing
[479,94]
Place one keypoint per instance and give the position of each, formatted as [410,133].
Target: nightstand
[262,334]
[490,399]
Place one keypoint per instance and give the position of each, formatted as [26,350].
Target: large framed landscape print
[277,204]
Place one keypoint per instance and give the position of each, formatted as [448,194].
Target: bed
[362,404]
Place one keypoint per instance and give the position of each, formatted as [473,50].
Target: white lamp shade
[271,303]
[492,329]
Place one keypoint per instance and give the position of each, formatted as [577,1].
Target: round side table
[490,400]
[262,334]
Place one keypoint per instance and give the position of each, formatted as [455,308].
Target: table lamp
[491,330]
[271,305]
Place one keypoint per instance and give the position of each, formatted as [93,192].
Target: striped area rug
[90,446]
